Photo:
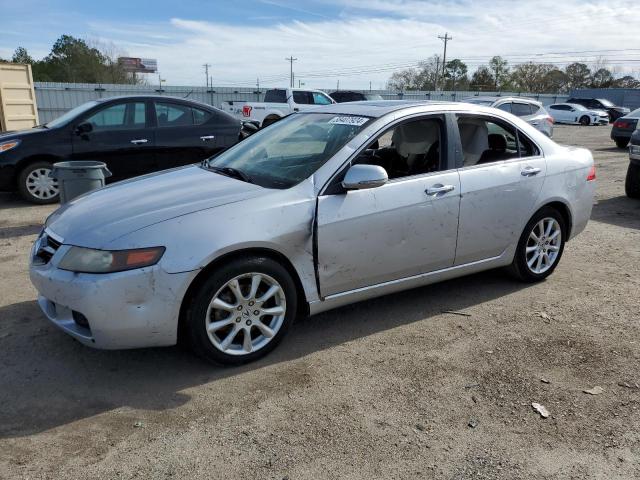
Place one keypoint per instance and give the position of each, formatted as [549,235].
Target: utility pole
[206,72]
[338,86]
[291,60]
[445,39]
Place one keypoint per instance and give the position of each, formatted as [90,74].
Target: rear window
[275,96]
[521,109]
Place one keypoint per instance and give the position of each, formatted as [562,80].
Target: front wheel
[36,185]
[622,142]
[632,182]
[584,120]
[540,246]
[242,311]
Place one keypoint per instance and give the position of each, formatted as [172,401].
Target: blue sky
[351,41]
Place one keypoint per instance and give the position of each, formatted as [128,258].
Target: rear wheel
[584,120]
[621,142]
[632,182]
[242,311]
[540,246]
[36,185]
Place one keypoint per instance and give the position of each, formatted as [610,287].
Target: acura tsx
[324,208]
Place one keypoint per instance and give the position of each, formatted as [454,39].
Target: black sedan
[632,183]
[342,96]
[133,135]
[623,127]
[608,106]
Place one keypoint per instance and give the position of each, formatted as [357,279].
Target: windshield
[289,151]
[70,115]
[606,102]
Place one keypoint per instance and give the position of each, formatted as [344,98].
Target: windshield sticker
[349,120]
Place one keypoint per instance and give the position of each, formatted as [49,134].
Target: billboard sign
[139,65]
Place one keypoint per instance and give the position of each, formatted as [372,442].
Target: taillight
[550,120]
[621,124]
[246,110]
[592,174]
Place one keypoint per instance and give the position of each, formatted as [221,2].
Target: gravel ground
[387,388]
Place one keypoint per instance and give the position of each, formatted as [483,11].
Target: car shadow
[48,379]
[19,231]
[610,149]
[621,211]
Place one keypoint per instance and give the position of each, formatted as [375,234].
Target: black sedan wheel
[36,185]
[632,183]
[622,142]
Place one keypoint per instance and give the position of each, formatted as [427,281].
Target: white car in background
[577,114]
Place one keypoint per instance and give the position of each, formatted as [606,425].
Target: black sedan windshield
[289,151]
[71,114]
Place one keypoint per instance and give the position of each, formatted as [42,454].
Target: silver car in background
[531,111]
[322,209]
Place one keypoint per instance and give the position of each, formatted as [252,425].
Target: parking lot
[436,382]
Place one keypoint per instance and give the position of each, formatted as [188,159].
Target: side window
[527,147]
[275,96]
[521,109]
[173,115]
[200,116]
[320,99]
[122,116]
[485,141]
[410,148]
[302,98]
[505,107]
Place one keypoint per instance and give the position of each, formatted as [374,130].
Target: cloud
[358,41]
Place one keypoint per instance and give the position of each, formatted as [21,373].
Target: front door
[500,181]
[406,227]
[119,137]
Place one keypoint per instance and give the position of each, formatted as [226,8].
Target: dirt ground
[388,388]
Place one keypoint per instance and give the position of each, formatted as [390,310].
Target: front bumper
[132,309]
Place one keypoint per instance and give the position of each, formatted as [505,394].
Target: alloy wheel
[543,245]
[41,185]
[246,314]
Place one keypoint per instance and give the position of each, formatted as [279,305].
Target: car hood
[13,134]
[96,219]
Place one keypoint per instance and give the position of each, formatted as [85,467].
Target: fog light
[80,319]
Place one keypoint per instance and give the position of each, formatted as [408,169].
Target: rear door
[500,179]
[188,134]
[120,136]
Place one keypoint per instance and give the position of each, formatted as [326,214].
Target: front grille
[46,248]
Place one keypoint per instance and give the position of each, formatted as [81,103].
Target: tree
[482,80]
[403,80]
[429,74]
[601,78]
[530,77]
[500,70]
[578,75]
[555,81]
[21,56]
[455,70]
[626,82]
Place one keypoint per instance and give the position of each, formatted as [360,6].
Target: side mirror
[85,127]
[360,177]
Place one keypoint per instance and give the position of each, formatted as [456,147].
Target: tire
[269,121]
[520,268]
[632,182]
[584,120]
[35,186]
[202,315]
[621,142]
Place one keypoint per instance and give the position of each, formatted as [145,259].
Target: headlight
[9,145]
[87,260]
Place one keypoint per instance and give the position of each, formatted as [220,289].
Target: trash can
[76,178]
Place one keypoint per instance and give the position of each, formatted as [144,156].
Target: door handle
[436,189]
[206,138]
[530,171]
[139,141]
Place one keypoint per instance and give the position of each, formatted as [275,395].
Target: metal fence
[54,99]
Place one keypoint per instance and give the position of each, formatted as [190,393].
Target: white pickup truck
[278,103]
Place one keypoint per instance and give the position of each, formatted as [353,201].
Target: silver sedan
[322,209]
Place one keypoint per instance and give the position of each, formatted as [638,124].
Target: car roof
[153,97]
[379,108]
[496,98]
